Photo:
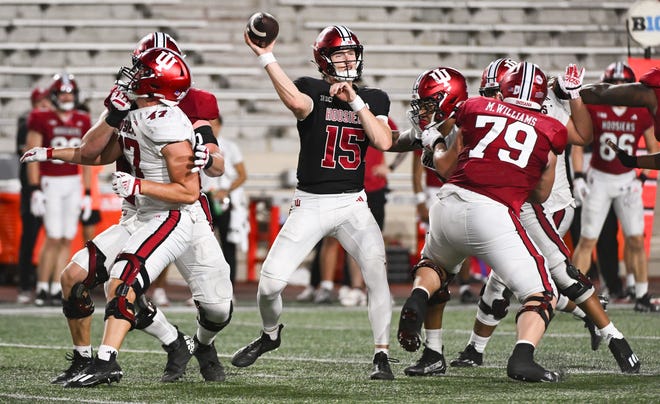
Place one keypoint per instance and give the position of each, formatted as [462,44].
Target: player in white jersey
[547,224]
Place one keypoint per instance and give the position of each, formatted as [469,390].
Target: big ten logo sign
[644,22]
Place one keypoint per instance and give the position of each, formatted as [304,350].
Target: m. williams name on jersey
[517,115]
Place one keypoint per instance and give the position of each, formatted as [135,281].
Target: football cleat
[468,297]
[209,365]
[647,303]
[468,358]
[593,332]
[41,299]
[410,326]
[179,353]
[382,370]
[323,296]
[530,371]
[56,299]
[248,355]
[78,364]
[99,371]
[431,363]
[625,357]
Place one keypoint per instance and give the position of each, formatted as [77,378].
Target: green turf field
[326,357]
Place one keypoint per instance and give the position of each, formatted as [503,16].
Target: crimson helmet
[63,83]
[441,91]
[524,85]
[331,40]
[156,40]
[616,72]
[158,72]
[490,79]
[37,94]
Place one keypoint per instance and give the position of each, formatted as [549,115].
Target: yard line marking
[68,399]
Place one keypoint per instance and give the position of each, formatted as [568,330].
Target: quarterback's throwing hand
[37,154]
[125,185]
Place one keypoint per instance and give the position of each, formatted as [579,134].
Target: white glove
[37,154]
[86,207]
[580,190]
[38,203]
[125,185]
[119,106]
[430,136]
[571,82]
[427,158]
[203,158]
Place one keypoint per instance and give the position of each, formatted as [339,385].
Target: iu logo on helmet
[165,61]
[441,76]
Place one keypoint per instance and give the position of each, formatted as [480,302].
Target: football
[262,29]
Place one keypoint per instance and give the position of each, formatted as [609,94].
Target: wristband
[579,175]
[266,59]
[115,117]
[137,185]
[88,191]
[357,104]
[642,177]
[49,153]
[209,163]
[439,140]
[420,197]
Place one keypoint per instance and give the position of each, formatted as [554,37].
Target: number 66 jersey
[505,149]
[142,136]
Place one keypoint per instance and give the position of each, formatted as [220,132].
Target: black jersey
[332,141]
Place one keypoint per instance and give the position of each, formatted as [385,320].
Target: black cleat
[593,332]
[99,371]
[625,357]
[431,363]
[209,365]
[78,364]
[382,370]
[179,353]
[468,358]
[647,303]
[41,299]
[248,355]
[56,299]
[468,297]
[410,326]
[530,372]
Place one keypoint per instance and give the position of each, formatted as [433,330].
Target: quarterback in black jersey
[337,120]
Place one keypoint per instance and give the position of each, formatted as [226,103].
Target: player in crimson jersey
[504,154]
[57,191]
[337,120]
[611,183]
[88,267]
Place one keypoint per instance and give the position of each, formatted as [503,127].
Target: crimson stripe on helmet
[491,76]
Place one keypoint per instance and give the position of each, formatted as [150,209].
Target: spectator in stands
[57,191]
[335,128]
[30,223]
[612,183]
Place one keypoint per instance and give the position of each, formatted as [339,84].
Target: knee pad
[581,289]
[543,309]
[97,273]
[79,304]
[134,267]
[269,288]
[498,309]
[119,307]
[209,315]
[441,295]
[145,313]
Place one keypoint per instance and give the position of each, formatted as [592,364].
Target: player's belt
[351,191]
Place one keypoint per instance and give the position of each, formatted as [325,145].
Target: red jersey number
[347,141]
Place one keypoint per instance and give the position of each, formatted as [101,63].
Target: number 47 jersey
[142,136]
[505,149]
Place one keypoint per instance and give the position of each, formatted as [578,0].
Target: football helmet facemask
[490,78]
[437,93]
[158,72]
[63,83]
[156,40]
[618,72]
[524,85]
[330,40]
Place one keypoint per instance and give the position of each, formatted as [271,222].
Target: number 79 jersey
[505,149]
[142,136]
